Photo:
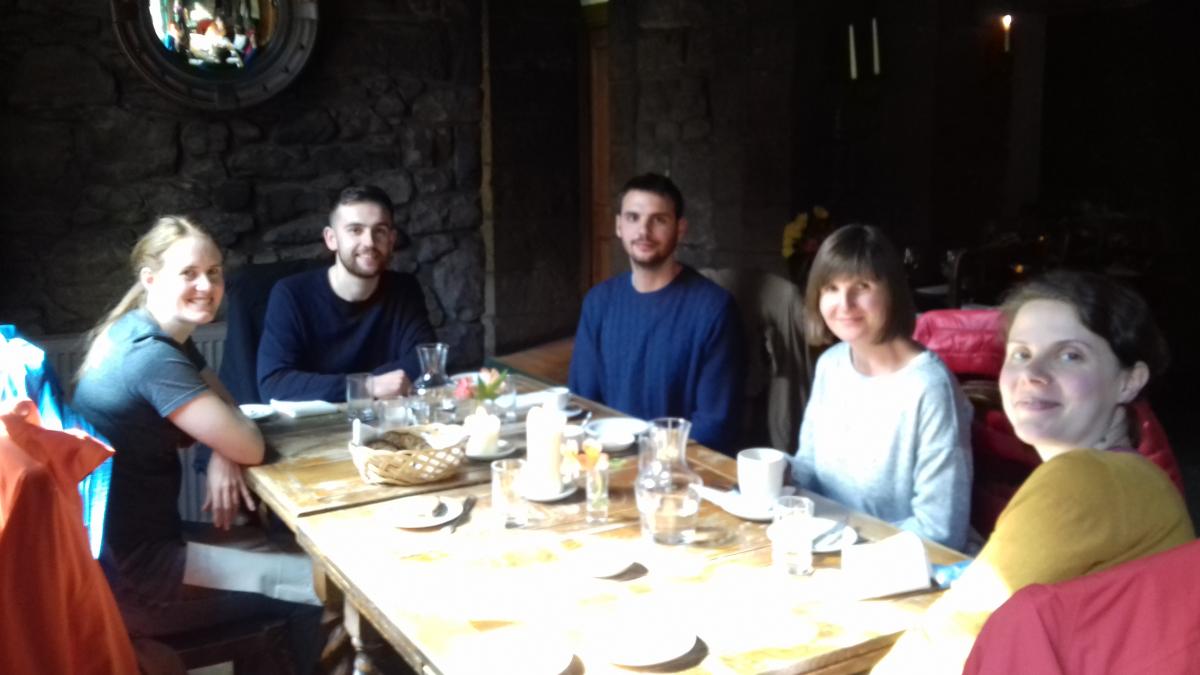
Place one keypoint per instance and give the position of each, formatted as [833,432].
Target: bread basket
[439,458]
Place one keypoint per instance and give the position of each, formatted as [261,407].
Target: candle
[543,456]
[1006,21]
[484,432]
[853,56]
[875,45]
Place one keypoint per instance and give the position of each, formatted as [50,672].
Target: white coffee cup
[558,397]
[760,473]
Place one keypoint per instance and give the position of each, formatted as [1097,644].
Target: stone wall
[704,91]
[91,154]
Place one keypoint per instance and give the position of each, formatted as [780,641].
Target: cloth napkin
[897,564]
[528,400]
[303,408]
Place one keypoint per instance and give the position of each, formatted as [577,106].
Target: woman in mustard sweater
[1080,347]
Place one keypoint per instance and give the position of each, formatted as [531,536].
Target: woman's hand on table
[225,488]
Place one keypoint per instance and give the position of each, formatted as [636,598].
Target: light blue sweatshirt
[895,446]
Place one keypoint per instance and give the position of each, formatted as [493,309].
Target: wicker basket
[408,467]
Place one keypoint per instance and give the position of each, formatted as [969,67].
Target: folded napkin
[303,408]
[533,398]
[897,564]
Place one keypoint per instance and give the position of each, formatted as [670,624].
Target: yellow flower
[792,233]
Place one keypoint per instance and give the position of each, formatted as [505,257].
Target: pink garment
[57,613]
[1140,617]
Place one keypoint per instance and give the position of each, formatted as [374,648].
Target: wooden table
[309,470]
[487,599]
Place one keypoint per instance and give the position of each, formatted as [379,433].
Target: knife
[462,517]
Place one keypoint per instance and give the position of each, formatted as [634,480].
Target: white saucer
[503,449]
[615,433]
[603,565]
[397,516]
[572,411]
[846,537]
[756,510]
[568,490]
[257,411]
[637,648]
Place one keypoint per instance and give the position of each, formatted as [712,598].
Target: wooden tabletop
[309,470]
[489,599]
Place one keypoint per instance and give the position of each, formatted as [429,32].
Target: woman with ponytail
[145,387]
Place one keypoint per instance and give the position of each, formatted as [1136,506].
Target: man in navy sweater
[355,316]
[661,340]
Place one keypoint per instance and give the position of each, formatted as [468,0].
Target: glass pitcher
[667,490]
[433,383]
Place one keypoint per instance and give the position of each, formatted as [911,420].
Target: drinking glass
[791,535]
[418,410]
[393,413]
[506,402]
[358,397]
[506,495]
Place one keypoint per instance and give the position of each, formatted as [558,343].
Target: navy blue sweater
[673,352]
[312,338]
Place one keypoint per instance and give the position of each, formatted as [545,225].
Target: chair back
[1139,617]
[246,294]
[778,366]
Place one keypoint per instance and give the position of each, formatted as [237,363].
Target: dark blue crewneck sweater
[673,352]
[312,338]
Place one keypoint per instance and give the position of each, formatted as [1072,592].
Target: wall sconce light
[1006,21]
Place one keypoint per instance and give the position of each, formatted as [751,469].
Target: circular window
[217,54]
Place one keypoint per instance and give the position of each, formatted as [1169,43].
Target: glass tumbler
[506,494]
[791,535]
[359,405]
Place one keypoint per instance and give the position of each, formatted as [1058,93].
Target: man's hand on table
[225,487]
[391,384]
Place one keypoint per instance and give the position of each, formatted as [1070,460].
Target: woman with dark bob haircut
[1080,347]
[886,430]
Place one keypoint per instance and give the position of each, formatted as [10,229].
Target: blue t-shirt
[672,352]
[142,377]
[312,338]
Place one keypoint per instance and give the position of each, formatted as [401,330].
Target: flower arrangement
[486,386]
[801,239]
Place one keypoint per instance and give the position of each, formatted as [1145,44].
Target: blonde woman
[147,389]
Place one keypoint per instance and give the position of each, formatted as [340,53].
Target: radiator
[65,353]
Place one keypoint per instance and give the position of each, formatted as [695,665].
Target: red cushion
[1152,441]
[969,341]
[1139,617]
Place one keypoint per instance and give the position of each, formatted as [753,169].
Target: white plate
[503,449]
[747,509]
[572,411]
[615,433]
[639,648]
[257,411]
[603,564]
[847,536]
[398,516]
[568,490]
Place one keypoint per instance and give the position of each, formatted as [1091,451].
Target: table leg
[363,637]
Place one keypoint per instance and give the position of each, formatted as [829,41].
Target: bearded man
[661,340]
[355,316]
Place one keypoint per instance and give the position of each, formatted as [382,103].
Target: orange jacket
[57,614]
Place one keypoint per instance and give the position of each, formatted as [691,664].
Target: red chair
[971,343]
[1139,617]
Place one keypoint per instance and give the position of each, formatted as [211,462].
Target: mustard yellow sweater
[1081,512]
